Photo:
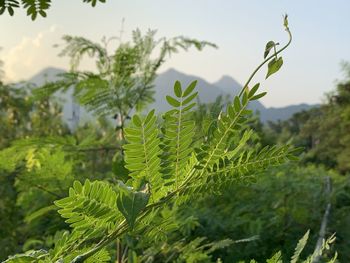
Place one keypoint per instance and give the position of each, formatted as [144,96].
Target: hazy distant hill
[208,92]
[230,86]
[164,85]
[283,113]
[47,74]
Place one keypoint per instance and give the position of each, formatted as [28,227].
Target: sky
[321,39]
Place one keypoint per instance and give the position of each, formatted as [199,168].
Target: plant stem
[265,61]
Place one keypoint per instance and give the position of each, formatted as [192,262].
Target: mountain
[164,83]
[283,113]
[208,92]
[47,74]
[230,86]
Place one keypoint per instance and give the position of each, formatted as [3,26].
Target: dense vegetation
[199,183]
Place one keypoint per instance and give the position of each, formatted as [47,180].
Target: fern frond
[178,132]
[326,246]
[142,149]
[91,207]
[226,171]
[276,258]
[77,47]
[229,124]
[28,257]
[215,161]
[25,149]
[100,256]
[63,83]
[157,226]
[68,144]
[300,247]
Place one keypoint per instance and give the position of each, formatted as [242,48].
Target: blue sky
[321,31]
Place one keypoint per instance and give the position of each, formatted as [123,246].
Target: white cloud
[32,54]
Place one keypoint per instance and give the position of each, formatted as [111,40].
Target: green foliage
[124,82]
[278,207]
[94,2]
[142,151]
[277,258]
[22,192]
[90,208]
[33,7]
[178,132]
[323,131]
[299,248]
[130,204]
[139,195]
[274,66]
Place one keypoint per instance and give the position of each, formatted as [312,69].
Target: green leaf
[99,257]
[136,120]
[245,97]
[273,66]
[260,95]
[10,10]
[190,98]
[173,102]
[149,116]
[237,104]
[177,89]
[253,90]
[131,203]
[77,187]
[190,88]
[268,47]
[42,13]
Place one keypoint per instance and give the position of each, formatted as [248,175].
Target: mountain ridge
[207,91]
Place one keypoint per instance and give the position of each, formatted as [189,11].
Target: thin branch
[322,232]
[40,187]
[265,61]
[102,148]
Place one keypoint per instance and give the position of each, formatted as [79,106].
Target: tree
[124,82]
[21,116]
[323,131]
